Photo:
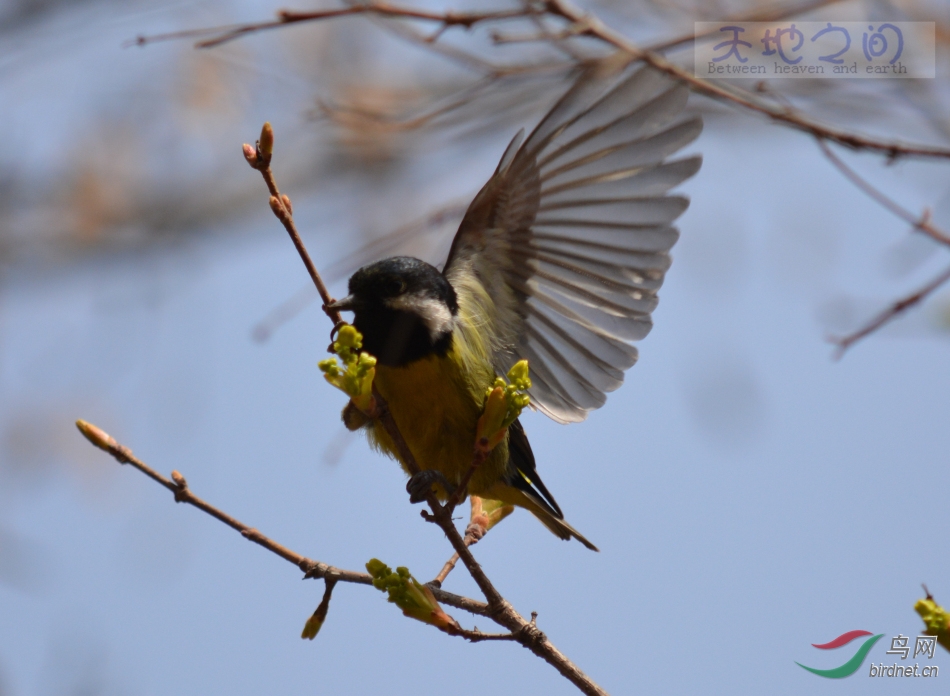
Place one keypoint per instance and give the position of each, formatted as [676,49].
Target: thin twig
[922,223]
[220,35]
[476,529]
[596,28]
[768,14]
[311,569]
[524,632]
[899,307]
[477,636]
[259,158]
[584,24]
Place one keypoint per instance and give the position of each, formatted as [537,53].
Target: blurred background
[750,494]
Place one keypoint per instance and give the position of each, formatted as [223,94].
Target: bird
[557,260]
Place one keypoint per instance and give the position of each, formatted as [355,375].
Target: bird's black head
[404,308]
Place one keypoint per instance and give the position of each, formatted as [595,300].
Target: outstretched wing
[569,239]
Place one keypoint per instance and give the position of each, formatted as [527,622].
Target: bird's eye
[400,287]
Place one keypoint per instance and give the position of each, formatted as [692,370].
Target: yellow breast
[436,404]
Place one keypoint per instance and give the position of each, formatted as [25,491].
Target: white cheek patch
[435,315]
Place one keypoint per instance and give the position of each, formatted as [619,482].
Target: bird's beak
[347,304]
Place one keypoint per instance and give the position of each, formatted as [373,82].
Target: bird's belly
[436,413]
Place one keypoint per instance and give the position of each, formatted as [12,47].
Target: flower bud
[97,436]
[266,143]
[415,599]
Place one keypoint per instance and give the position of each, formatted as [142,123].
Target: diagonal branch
[311,569]
[921,224]
[899,307]
[579,23]
[597,29]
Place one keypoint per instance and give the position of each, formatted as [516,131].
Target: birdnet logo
[923,645]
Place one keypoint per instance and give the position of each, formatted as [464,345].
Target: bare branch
[899,307]
[524,632]
[922,223]
[768,14]
[596,28]
[259,158]
[579,23]
[220,35]
[476,529]
[311,569]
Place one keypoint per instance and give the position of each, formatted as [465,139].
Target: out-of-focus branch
[220,35]
[738,97]
[922,224]
[579,23]
[767,14]
[896,309]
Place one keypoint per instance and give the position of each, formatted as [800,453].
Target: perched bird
[558,261]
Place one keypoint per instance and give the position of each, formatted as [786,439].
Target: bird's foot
[420,485]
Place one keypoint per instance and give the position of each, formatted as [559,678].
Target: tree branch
[579,23]
[899,307]
[311,569]
[220,35]
[921,224]
[524,632]
[596,28]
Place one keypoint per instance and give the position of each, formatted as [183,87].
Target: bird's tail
[532,502]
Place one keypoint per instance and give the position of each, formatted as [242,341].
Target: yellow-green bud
[415,599]
[503,404]
[518,375]
[936,619]
[355,377]
[312,627]
[349,337]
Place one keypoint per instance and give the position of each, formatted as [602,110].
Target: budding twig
[259,158]
[922,224]
[499,609]
[476,529]
[315,622]
[311,569]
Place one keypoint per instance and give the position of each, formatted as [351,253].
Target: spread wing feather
[570,237]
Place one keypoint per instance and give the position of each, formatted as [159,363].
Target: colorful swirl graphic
[852,665]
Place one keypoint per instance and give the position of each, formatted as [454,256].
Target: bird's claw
[420,485]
